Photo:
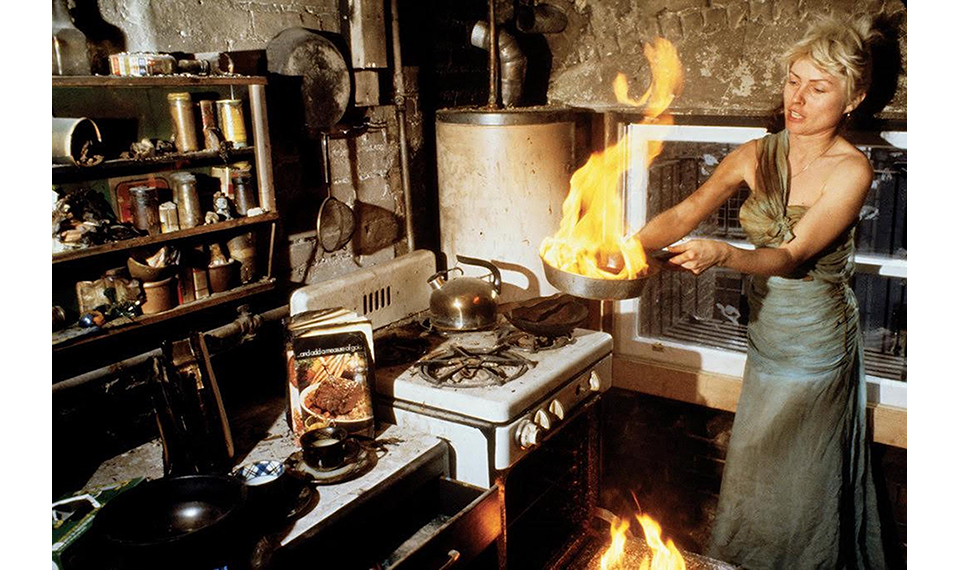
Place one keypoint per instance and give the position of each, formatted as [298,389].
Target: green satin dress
[797,490]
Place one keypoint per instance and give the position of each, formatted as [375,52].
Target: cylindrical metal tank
[503,176]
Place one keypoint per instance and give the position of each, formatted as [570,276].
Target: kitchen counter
[264,435]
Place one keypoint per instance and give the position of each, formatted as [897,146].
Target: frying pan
[552,316]
[181,521]
[603,289]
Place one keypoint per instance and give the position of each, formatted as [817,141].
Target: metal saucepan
[605,289]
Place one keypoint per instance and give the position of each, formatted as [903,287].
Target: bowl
[146,273]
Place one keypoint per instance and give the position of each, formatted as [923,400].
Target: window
[700,321]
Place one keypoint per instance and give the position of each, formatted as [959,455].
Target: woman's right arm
[675,223]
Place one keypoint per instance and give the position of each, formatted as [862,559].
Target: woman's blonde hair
[840,48]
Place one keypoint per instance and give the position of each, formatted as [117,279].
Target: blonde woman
[797,490]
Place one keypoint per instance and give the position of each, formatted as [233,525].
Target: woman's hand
[698,255]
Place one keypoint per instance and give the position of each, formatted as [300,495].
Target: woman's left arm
[827,218]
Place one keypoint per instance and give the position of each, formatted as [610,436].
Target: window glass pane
[711,310]
[883,218]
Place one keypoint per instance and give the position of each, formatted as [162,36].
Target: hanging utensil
[336,222]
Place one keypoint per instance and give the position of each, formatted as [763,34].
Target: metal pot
[464,303]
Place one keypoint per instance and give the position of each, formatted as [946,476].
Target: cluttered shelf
[74,336]
[134,243]
[182,80]
[64,173]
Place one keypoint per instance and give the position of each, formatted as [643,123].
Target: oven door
[550,496]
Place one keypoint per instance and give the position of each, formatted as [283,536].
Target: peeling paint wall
[213,25]
[730,50]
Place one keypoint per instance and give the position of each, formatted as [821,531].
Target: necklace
[823,152]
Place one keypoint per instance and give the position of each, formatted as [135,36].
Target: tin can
[184,125]
[231,121]
[208,120]
[169,219]
[145,209]
[189,213]
[141,64]
[244,192]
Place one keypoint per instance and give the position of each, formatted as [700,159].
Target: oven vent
[376,300]
[384,293]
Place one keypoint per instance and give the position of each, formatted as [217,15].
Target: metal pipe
[513,64]
[492,101]
[242,325]
[400,100]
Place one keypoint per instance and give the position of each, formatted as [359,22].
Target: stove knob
[556,408]
[529,434]
[542,418]
[595,381]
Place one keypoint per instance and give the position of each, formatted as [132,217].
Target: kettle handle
[440,277]
[486,264]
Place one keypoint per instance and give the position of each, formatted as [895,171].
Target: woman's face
[813,99]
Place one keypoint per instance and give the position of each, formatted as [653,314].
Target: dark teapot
[464,303]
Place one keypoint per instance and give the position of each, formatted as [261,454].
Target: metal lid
[515,116]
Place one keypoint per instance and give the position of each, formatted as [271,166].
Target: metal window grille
[711,310]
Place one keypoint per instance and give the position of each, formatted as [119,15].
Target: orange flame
[591,240]
[665,556]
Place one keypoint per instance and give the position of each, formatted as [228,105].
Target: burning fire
[591,240]
[664,556]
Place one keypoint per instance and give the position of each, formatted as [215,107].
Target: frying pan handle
[494,271]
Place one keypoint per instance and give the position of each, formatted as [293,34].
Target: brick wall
[670,455]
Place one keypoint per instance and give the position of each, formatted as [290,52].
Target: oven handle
[452,556]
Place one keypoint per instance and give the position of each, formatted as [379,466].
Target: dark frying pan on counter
[191,521]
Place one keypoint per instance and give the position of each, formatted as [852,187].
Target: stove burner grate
[474,367]
[529,342]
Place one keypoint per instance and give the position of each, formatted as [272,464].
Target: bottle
[69,44]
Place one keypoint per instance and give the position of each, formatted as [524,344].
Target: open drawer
[430,524]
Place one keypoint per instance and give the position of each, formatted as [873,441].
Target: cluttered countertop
[393,455]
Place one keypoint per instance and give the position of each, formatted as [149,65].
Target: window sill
[888,423]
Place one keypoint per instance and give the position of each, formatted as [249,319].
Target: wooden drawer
[436,523]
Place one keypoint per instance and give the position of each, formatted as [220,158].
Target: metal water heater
[503,176]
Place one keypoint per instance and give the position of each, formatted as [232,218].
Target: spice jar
[231,121]
[184,126]
[244,192]
[189,213]
[145,209]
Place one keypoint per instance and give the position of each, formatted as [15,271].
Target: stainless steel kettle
[464,303]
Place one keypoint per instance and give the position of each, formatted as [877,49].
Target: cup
[324,447]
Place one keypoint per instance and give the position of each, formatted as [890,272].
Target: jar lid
[178,96]
[183,177]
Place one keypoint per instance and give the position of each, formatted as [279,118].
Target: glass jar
[145,209]
[184,125]
[244,191]
[189,213]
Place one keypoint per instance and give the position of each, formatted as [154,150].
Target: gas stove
[494,395]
